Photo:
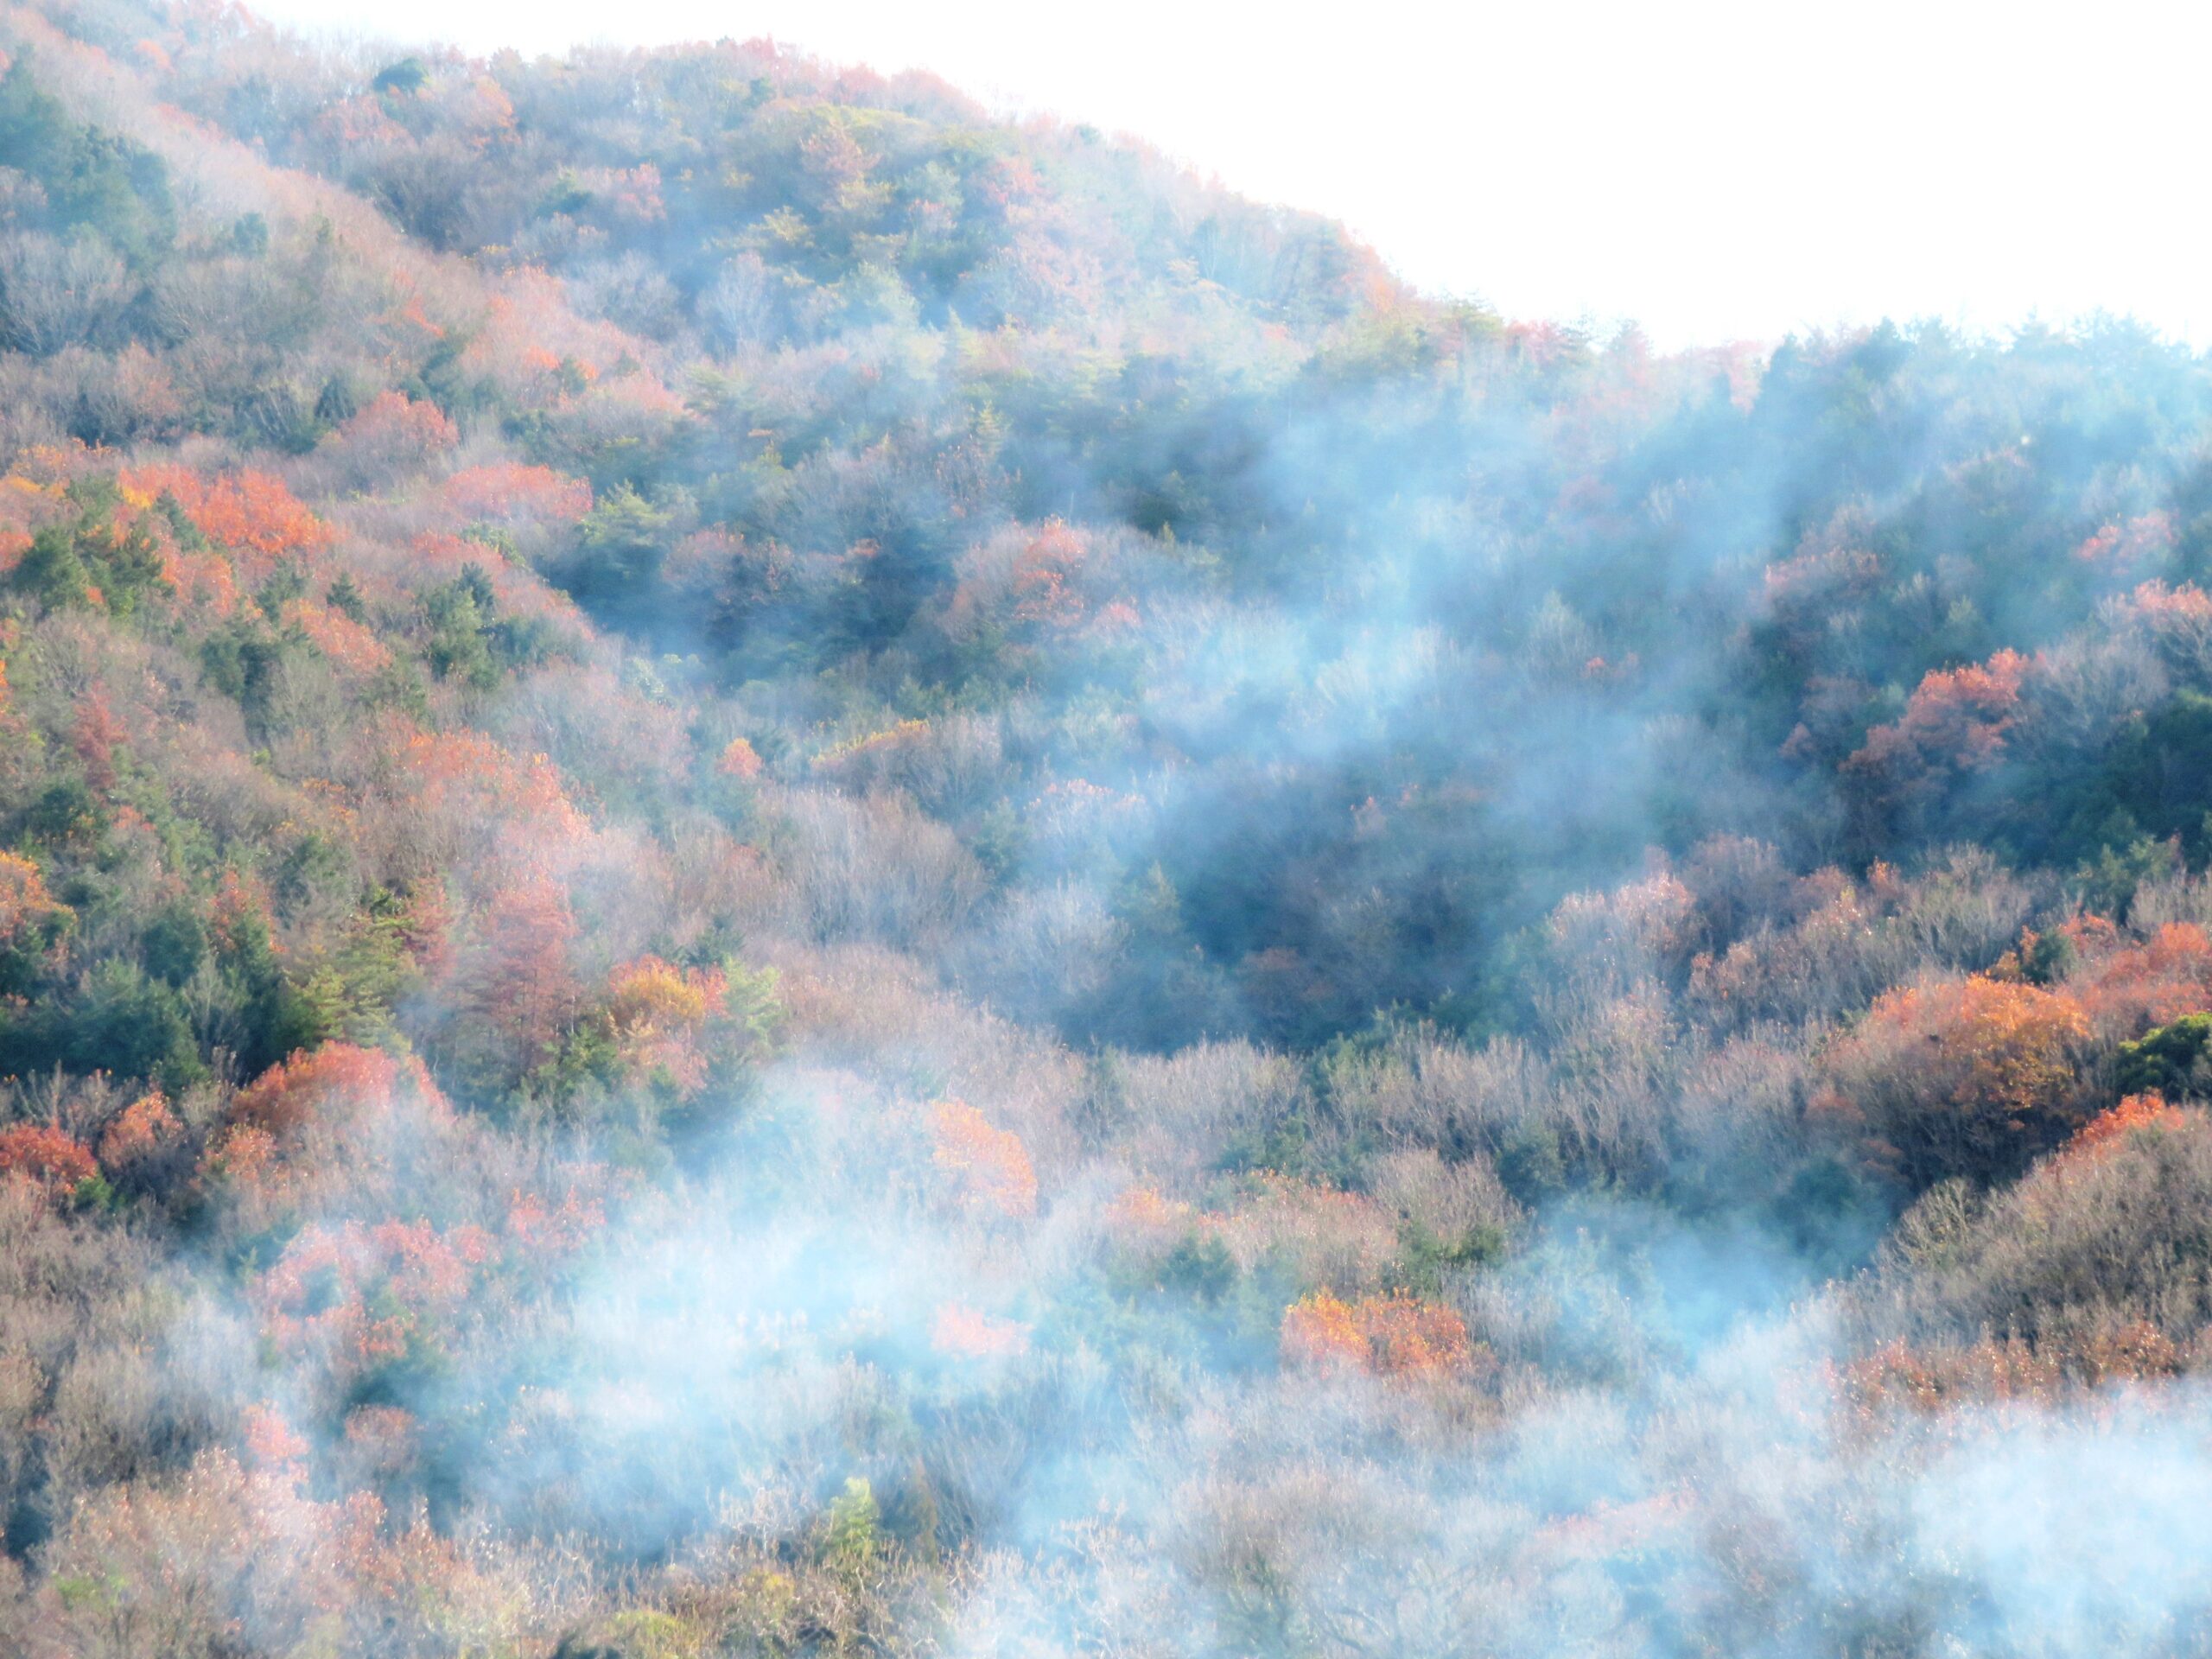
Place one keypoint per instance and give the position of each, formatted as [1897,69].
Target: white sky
[1714,170]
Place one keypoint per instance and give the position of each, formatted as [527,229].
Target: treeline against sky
[786,872]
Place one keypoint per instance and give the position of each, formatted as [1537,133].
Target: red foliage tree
[2135,545]
[393,436]
[358,1296]
[2126,987]
[250,512]
[94,737]
[1954,724]
[513,991]
[1956,720]
[43,1153]
[1044,576]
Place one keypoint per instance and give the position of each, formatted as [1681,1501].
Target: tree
[43,1153]
[988,1168]
[513,991]
[330,1085]
[33,923]
[620,546]
[92,179]
[1967,1076]
[1391,1335]
[2170,1060]
[1955,725]
[406,77]
[392,437]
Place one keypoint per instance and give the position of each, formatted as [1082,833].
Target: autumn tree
[1391,1335]
[513,991]
[32,923]
[1967,1076]
[985,1167]
[45,1154]
[1955,726]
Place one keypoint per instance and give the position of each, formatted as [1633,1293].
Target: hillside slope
[784,872]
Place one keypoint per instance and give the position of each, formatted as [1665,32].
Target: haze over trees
[782,872]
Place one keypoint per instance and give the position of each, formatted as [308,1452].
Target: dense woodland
[783,872]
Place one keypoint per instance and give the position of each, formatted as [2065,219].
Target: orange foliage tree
[659,1013]
[145,1148]
[2107,1129]
[31,919]
[45,1154]
[1971,1076]
[738,759]
[331,1084]
[988,1167]
[1900,1376]
[1391,1335]
[2128,986]
[251,512]
[323,1125]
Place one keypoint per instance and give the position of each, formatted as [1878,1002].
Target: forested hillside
[784,872]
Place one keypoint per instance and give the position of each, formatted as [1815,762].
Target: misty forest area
[784,871]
